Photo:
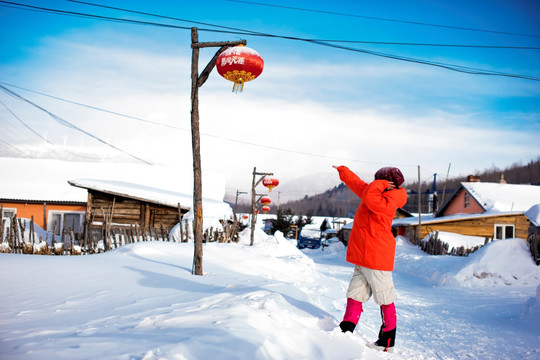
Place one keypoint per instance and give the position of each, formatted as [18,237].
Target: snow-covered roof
[533,214]
[135,191]
[38,179]
[47,179]
[495,197]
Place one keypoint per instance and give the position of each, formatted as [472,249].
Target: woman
[372,247]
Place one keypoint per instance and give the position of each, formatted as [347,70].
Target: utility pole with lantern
[267,181]
[237,65]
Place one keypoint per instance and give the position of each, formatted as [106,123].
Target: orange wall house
[462,203]
[66,214]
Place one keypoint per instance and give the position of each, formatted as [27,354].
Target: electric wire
[25,124]
[70,125]
[243,142]
[324,40]
[383,19]
[457,68]
[11,148]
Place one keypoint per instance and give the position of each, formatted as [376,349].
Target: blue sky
[312,107]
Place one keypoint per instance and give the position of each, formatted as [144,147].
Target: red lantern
[245,217]
[265,209]
[270,183]
[239,64]
[265,200]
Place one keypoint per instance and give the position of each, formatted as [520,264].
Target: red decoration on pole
[265,209]
[265,200]
[270,183]
[239,64]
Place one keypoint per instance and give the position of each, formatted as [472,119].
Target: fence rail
[18,236]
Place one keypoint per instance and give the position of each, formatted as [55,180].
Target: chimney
[473,178]
[502,181]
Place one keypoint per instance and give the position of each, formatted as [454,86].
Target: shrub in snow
[28,248]
[42,248]
[76,250]
[59,249]
[4,247]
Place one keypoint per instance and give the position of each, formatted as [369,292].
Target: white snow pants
[365,282]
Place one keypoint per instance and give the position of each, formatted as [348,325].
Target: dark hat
[392,174]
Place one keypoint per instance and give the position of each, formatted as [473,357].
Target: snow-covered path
[269,301]
[446,322]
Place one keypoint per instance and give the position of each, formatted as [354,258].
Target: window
[503,231]
[467,198]
[65,220]
[8,213]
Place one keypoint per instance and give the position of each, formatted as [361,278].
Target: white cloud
[365,116]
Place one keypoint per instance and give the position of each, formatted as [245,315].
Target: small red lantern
[265,200]
[265,209]
[270,183]
[245,217]
[239,64]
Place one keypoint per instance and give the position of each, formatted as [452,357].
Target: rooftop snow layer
[495,197]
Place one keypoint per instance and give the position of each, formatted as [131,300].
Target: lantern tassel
[238,84]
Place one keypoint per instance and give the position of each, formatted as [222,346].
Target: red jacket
[371,243]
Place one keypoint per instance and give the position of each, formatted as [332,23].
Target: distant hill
[341,202]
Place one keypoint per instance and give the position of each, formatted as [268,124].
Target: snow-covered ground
[268,301]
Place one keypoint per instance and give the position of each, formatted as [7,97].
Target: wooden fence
[13,237]
[435,246]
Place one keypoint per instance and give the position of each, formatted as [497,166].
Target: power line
[432,44]
[457,68]
[204,134]
[383,19]
[68,124]
[25,124]
[323,40]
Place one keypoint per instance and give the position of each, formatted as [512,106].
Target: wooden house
[489,210]
[41,189]
[35,189]
[118,204]
[49,214]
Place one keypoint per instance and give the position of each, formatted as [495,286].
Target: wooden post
[196,82]
[45,216]
[419,233]
[180,223]
[253,201]
[196,144]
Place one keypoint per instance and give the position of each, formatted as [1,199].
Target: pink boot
[389,318]
[352,315]
[387,334]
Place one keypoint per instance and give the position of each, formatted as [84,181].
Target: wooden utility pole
[419,232]
[236,202]
[196,82]
[253,201]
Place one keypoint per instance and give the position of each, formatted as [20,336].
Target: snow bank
[213,213]
[530,312]
[266,301]
[507,262]
[499,263]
